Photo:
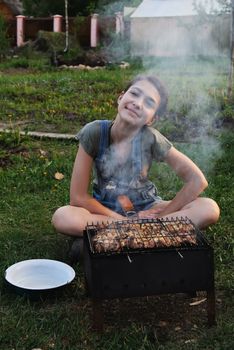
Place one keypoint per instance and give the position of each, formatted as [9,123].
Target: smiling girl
[120,154]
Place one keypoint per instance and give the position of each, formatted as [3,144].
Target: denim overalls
[140,191]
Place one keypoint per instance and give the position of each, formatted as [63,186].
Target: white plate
[39,274]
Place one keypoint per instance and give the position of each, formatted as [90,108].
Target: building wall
[179,36]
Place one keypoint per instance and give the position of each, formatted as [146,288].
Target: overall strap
[104,137]
[136,154]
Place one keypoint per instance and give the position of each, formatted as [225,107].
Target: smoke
[111,29]
[190,54]
[119,172]
[191,123]
[201,131]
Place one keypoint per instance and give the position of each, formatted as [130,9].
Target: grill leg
[97,315]
[211,307]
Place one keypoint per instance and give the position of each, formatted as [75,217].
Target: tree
[110,7]
[67,29]
[44,8]
[231,69]
[227,6]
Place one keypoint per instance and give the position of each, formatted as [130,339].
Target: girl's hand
[154,212]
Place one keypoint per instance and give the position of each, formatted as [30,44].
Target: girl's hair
[160,88]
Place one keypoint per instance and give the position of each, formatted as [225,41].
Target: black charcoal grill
[147,257]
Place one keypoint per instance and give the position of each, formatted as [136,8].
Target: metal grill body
[144,272]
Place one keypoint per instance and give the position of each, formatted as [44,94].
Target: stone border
[39,134]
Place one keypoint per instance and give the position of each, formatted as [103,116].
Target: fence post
[20,21]
[119,23]
[94,30]
[57,23]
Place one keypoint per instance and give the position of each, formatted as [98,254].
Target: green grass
[60,100]
[64,100]
[30,193]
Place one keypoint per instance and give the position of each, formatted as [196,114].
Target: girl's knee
[212,209]
[70,220]
[58,218]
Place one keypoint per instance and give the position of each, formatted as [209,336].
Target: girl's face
[138,105]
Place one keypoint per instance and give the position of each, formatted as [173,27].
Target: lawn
[62,101]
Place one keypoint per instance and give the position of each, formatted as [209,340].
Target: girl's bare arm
[194,180]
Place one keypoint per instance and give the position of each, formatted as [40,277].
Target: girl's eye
[150,103]
[134,93]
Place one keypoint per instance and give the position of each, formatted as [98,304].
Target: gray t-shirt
[154,145]
[113,177]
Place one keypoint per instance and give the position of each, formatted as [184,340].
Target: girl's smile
[132,111]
